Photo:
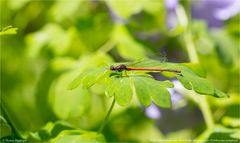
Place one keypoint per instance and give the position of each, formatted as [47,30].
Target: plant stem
[192,53]
[193,57]
[202,101]
[107,116]
[207,114]
[107,46]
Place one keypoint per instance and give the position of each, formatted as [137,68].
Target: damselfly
[143,66]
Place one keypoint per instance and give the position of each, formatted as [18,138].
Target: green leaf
[9,30]
[155,7]
[222,133]
[76,136]
[143,86]
[167,84]
[93,76]
[91,70]
[4,128]
[88,77]
[112,85]
[76,102]
[220,94]
[236,135]
[184,82]
[62,63]
[50,130]
[196,68]
[200,85]
[230,121]
[125,8]
[148,88]
[120,87]
[127,47]
[142,91]
[225,47]
[70,8]
[190,80]
[51,36]
[161,97]
[58,127]
[123,95]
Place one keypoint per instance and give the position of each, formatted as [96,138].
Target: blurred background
[57,39]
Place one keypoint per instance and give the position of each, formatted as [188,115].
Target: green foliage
[232,122]
[52,36]
[56,82]
[76,102]
[148,88]
[88,78]
[9,30]
[63,132]
[200,85]
[190,81]
[124,8]
[123,41]
[78,136]
[225,134]
[122,87]
[4,128]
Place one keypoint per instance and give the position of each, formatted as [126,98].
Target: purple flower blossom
[153,111]
[175,97]
[228,12]
[177,84]
[115,17]
[214,12]
[171,6]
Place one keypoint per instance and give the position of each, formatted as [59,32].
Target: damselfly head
[118,68]
[112,67]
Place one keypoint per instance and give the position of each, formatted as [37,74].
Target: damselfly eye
[111,67]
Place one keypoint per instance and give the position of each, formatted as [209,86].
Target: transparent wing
[147,63]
